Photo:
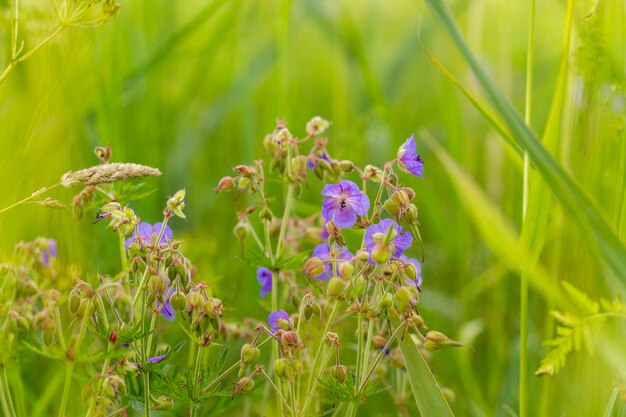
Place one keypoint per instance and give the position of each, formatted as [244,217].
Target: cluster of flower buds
[175,205]
[205,314]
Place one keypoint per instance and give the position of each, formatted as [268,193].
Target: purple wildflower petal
[401,241]
[273,318]
[409,160]
[167,233]
[156,359]
[322,251]
[345,201]
[264,277]
[145,230]
[52,250]
[45,258]
[130,241]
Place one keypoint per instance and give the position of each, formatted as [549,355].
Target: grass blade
[571,196]
[428,397]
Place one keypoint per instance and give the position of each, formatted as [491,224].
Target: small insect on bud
[335,288]
[404,300]
[338,372]
[381,253]
[249,354]
[178,301]
[225,184]
[313,267]
[163,403]
[157,286]
[346,269]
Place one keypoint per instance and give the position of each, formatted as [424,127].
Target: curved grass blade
[428,396]
[566,190]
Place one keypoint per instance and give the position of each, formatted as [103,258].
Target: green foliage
[574,330]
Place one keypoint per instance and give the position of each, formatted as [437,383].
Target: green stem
[4,401]
[283,224]
[33,195]
[123,257]
[310,392]
[69,371]
[359,352]
[523,361]
[331,318]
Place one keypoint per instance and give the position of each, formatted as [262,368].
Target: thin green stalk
[379,357]
[4,400]
[331,318]
[523,361]
[196,370]
[359,352]
[283,224]
[310,391]
[33,195]
[123,257]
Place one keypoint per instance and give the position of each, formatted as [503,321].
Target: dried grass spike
[107,173]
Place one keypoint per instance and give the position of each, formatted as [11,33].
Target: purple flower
[156,359]
[417,282]
[376,234]
[313,160]
[264,276]
[409,160]
[345,201]
[274,317]
[322,251]
[146,231]
[49,252]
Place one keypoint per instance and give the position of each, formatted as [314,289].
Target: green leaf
[571,196]
[428,396]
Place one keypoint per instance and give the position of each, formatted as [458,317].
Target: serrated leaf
[581,300]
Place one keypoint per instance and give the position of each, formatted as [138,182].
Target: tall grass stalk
[523,349]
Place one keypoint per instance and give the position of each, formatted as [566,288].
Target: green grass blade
[492,226]
[428,396]
[562,185]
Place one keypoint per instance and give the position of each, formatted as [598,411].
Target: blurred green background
[191,87]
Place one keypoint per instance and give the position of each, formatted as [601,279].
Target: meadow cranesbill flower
[322,251]
[409,160]
[264,277]
[167,311]
[145,231]
[275,318]
[344,203]
[48,252]
[418,269]
[387,237]
[156,359]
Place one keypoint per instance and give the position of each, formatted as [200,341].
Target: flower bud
[401,198]
[392,208]
[163,403]
[240,230]
[266,214]
[359,286]
[157,286]
[225,184]
[317,310]
[316,126]
[249,354]
[285,369]
[386,302]
[299,165]
[411,213]
[346,269]
[74,300]
[176,204]
[194,300]
[178,302]
[379,341]
[448,394]
[381,253]
[313,267]
[363,255]
[307,311]
[338,372]
[418,321]
[290,340]
[370,172]
[403,299]
[435,340]
[346,166]
[335,288]
[243,386]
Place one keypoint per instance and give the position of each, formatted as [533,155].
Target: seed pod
[335,288]
[240,230]
[317,310]
[381,253]
[163,403]
[249,354]
[338,372]
[346,269]
[386,302]
[307,312]
[157,286]
[74,300]
[403,299]
[346,166]
[178,302]
[313,267]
